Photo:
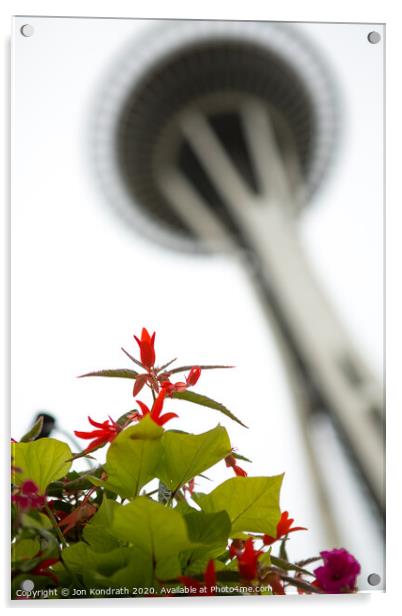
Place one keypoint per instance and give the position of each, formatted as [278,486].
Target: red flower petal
[145,410]
[188,581]
[209,575]
[93,434]
[96,424]
[158,405]
[193,376]
[164,418]
[147,351]
[240,472]
[98,442]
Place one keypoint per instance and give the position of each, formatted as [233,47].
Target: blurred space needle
[213,137]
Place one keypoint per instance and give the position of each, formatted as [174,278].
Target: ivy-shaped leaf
[183,456]
[79,557]
[212,531]
[132,458]
[42,461]
[24,549]
[96,532]
[251,502]
[157,531]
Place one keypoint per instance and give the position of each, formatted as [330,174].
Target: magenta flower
[338,573]
[27,497]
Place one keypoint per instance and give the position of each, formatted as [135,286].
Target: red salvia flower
[284,527]
[247,560]
[155,411]
[209,581]
[230,462]
[147,350]
[105,433]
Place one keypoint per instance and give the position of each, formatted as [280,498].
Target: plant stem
[56,526]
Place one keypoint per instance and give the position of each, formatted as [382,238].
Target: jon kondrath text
[100,592]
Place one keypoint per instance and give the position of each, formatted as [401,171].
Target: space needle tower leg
[347,390]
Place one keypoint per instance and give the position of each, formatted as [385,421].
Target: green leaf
[191,396]
[157,531]
[212,531]
[137,572]
[97,533]
[184,456]
[34,431]
[132,458]
[35,519]
[208,528]
[24,549]
[42,461]
[79,557]
[237,456]
[287,566]
[119,373]
[183,507]
[251,502]
[265,559]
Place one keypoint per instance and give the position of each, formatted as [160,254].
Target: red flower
[191,379]
[193,376]
[147,350]
[155,412]
[230,462]
[209,581]
[27,496]
[105,433]
[247,560]
[283,528]
[236,548]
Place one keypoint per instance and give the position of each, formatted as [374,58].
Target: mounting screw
[374,579]
[27,585]
[374,37]
[27,30]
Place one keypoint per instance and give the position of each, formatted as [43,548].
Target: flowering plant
[136,525]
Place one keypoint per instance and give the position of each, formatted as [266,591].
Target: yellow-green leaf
[184,456]
[42,461]
[158,532]
[132,458]
[251,502]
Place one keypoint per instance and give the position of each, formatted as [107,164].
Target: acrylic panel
[220,184]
